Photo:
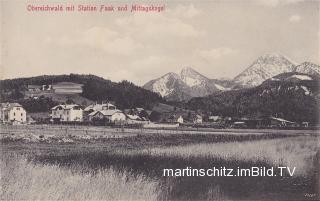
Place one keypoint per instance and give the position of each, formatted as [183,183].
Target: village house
[34,88]
[135,119]
[67,113]
[138,111]
[305,124]
[108,116]
[214,118]
[239,124]
[180,120]
[34,91]
[279,122]
[197,119]
[97,107]
[38,88]
[12,113]
[175,119]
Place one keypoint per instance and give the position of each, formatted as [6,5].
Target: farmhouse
[279,122]
[180,120]
[97,107]
[176,119]
[108,116]
[215,118]
[34,91]
[197,119]
[34,88]
[67,88]
[135,119]
[67,113]
[12,113]
[38,88]
[137,111]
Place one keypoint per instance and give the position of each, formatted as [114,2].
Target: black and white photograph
[164,100]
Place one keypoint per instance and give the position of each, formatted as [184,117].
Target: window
[22,114]
[18,108]
[14,114]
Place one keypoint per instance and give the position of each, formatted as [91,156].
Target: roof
[34,86]
[282,120]
[214,117]
[133,117]
[239,122]
[176,117]
[10,105]
[105,112]
[98,107]
[65,107]
[139,109]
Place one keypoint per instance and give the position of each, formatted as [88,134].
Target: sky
[218,38]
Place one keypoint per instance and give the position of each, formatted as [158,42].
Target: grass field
[25,180]
[130,167]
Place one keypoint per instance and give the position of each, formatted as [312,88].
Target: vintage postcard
[159,100]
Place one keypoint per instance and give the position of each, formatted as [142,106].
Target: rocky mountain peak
[265,67]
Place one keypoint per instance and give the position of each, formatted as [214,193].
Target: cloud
[148,61]
[274,3]
[100,38]
[122,74]
[185,11]
[215,53]
[295,18]
[157,25]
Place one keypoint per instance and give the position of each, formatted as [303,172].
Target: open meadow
[108,164]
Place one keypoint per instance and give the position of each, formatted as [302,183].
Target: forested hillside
[287,95]
[124,94]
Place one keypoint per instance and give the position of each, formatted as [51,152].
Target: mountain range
[263,89]
[293,96]
[189,83]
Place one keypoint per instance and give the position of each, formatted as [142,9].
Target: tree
[155,116]
[70,101]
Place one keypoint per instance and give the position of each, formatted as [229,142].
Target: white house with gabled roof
[12,113]
[97,107]
[67,113]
